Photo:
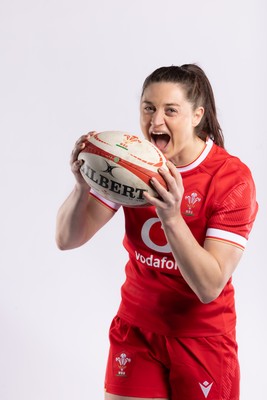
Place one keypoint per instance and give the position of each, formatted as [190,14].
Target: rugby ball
[119,166]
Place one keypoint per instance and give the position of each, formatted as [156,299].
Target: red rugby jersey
[218,203]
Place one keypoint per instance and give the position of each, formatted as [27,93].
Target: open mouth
[160,139]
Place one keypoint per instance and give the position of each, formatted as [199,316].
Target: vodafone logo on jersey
[152,238]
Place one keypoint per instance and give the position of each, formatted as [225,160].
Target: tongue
[162,141]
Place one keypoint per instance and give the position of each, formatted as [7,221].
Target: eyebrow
[167,104]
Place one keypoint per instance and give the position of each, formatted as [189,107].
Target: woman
[174,334]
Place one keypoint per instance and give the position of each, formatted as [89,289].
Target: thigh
[132,368]
[204,368]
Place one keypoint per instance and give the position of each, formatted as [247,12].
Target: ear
[197,117]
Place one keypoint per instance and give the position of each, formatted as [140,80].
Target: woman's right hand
[81,215]
[75,163]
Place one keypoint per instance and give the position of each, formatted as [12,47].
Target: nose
[157,118]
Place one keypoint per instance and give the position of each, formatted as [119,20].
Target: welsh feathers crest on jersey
[191,204]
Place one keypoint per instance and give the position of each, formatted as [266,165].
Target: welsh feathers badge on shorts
[121,364]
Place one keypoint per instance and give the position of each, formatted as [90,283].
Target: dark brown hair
[198,91]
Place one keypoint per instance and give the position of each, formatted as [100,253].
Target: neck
[190,153]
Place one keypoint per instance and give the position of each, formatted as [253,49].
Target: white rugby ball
[119,166]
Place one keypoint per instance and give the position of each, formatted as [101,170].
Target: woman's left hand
[168,203]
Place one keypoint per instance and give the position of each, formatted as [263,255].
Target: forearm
[72,223]
[206,269]
[199,268]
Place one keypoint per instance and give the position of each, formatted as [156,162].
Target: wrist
[173,224]
[82,189]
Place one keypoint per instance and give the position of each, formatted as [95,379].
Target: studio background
[68,67]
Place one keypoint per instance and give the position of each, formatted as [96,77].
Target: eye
[149,109]
[170,111]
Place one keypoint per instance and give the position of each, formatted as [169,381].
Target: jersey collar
[200,159]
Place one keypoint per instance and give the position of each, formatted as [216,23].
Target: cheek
[144,121]
[186,122]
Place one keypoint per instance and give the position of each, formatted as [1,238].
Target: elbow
[67,243]
[206,299]
[62,244]
[62,247]
[209,296]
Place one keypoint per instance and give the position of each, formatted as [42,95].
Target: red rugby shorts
[145,364]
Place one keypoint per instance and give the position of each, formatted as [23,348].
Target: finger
[175,174]
[80,145]
[168,178]
[174,184]
[152,200]
[161,190]
[76,165]
[171,167]
[75,152]
[85,138]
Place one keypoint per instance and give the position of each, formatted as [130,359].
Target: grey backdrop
[68,67]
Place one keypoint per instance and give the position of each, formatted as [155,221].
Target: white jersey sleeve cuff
[110,204]
[226,236]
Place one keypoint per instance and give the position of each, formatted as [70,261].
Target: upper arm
[234,212]
[227,257]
